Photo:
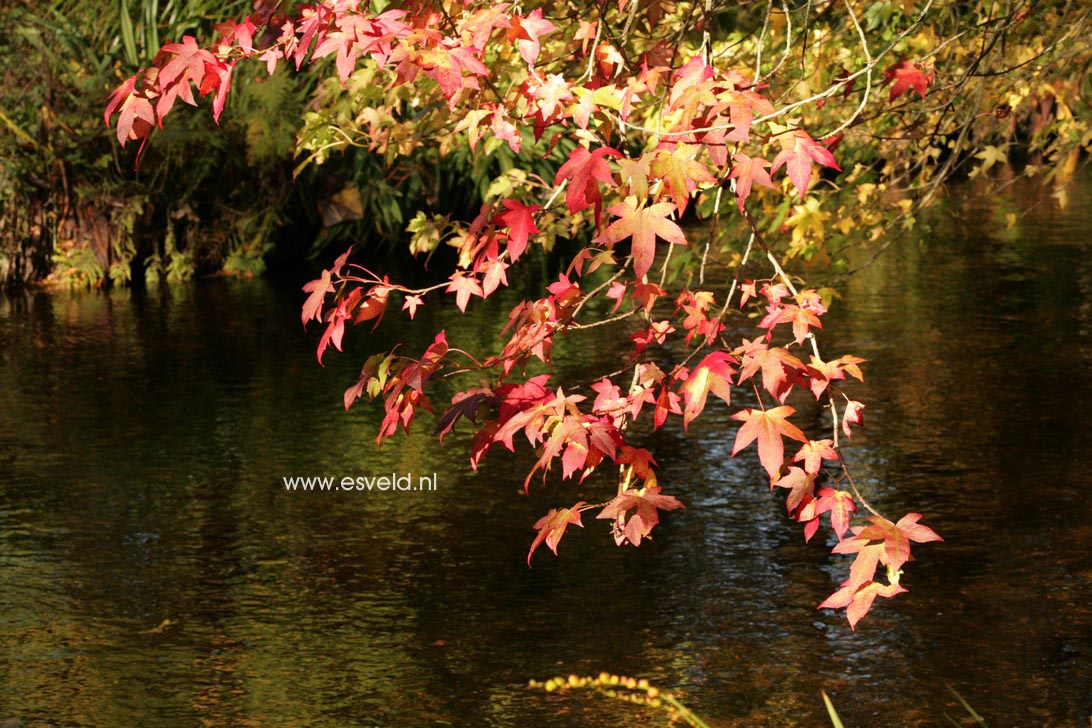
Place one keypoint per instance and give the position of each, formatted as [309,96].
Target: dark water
[143,438]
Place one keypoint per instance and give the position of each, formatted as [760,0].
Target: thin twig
[868,75]
[815,350]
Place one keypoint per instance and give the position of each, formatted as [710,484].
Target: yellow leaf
[608,96]
[991,155]
[1062,197]
[864,192]
[808,221]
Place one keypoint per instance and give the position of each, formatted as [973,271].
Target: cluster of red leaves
[565,429]
[884,543]
[712,114]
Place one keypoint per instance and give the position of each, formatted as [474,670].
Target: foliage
[70,207]
[610,126]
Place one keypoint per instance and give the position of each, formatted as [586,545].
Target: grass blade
[978,718]
[128,41]
[834,719]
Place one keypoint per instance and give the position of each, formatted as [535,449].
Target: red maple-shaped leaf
[335,327]
[318,288]
[493,275]
[894,537]
[445,64]
[713,374]
[481,24]
[551,527]
[863,568]
[821,373]
[904,76]
[853,415]
[464,404]
[841,506]
[311,22]
[693,76]
[238,34]
[185,63]
[746,292]
[858,600]
[569,439]
[639,459]
[464,287]
[506,130]
[881,542]
[636,512]
[585,170]
[372,306]
[645,295]
[526,31]
[217,79]
[813,453]
[411,303]
[666,403]
[356,35]
[801,487]
[136,117]
[914,531]
[657,333]
[681,173]
[617,293]
[798,151]
[644,225]
[520,220]
[775,364]
[801,318]
[748,172]
[849,364]
[551,93]
[767,427]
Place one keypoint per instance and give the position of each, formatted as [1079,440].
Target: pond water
[155,571]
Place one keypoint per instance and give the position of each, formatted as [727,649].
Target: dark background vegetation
[72,202]
[75,210]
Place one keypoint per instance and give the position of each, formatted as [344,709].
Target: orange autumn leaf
[767,427]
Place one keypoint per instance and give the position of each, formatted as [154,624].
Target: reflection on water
[143,438]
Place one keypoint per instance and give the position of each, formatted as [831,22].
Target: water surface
[144,436]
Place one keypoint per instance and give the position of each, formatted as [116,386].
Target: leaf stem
[853,486]
[815,350]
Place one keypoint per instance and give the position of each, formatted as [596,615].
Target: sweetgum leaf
[636,513]
[904,76]
[642,224]
[551,528]
[463,404]
[713,374]
[585,170]
[767,427]
[519,218]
